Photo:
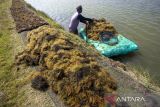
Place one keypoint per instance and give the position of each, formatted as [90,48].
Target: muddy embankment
[75,73]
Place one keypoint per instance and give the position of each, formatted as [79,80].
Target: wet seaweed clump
[40,83]
[98,26]
[71,70]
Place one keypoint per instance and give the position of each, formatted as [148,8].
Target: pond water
[138,20]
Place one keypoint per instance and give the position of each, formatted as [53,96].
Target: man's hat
[79,7]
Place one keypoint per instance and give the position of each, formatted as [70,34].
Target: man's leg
[75,32]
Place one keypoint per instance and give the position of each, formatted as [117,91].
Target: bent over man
[76,18]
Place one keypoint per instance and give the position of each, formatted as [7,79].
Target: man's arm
[84,19]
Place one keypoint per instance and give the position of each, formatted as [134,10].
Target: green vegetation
[7,76]
[144,78]
[10,79]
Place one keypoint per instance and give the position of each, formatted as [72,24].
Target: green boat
[123,46]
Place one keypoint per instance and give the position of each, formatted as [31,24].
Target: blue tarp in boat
[124,45]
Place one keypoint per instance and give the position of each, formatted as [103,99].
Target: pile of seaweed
[24,18]
[98,26]
[66,66]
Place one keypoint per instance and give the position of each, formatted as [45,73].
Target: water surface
[138,20]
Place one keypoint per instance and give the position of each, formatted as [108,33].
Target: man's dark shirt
[83,19]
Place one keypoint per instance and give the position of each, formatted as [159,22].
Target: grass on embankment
[144,78]
[7,77]
[11,80]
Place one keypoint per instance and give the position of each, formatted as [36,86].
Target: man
[76,18]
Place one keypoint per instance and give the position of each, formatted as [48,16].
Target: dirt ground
[36,98]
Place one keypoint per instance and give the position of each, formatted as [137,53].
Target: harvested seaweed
[71,71]
[98,26]
[40,83]
[24,18]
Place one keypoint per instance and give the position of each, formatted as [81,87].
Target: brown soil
[24,18]
[71,72]
[98,26]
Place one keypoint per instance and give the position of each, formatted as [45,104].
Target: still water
[138,20]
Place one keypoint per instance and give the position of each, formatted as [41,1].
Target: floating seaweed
[71,71]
